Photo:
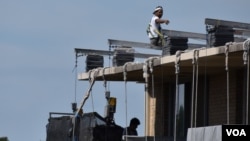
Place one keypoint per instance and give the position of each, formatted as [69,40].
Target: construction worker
[131,129]
[154,28]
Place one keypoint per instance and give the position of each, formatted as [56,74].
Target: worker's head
[134,122]
[158,11]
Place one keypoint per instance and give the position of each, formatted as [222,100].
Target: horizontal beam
[138,44]
[242,32]
[56,113]
[190,45]
[239,39]
[175,33]
[92,51]
[217,22]
[103,52]
[113,42]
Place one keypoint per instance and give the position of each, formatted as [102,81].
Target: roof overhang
[210,61]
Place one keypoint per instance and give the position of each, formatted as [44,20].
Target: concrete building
[200,87]
[191,92]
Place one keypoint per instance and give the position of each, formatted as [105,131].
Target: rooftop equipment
[123,55]
[94,61]
[219,35]
[220,31]
[174,44]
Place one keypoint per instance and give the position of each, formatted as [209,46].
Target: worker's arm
[162,21]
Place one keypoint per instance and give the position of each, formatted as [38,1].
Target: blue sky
[37,41]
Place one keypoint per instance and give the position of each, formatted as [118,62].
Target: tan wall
[156,107]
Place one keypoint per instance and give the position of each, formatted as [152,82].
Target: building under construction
[193,91]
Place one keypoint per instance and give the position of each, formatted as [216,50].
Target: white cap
[157,8]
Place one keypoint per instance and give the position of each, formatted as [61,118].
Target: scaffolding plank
[103,52]
[92,51]
[113,42]
[175,33]
[217,22]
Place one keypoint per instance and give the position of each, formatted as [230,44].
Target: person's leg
[154,41]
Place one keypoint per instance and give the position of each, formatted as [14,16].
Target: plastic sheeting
[58,127]
[209,133]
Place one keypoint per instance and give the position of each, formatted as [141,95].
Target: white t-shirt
[153,27]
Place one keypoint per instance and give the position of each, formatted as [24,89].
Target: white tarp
[209,133]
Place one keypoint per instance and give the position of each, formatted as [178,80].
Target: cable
[75,70]
[177,70]
[151,66]
[193,84]
[145,76]
[196,87]
[125,84]
[92,101]
[227,70]
[246,46]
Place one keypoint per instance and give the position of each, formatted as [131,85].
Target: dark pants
[156,41]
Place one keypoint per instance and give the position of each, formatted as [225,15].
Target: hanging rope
[246,46]
[145,76]
[75,70]
[92,81]
[91,91]
[151,68]
[125,82]
[107,92]
[104,80]
[194,86]
[148,64]
[177,70]
[227,70]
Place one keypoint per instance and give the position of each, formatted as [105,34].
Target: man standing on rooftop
[154,28]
